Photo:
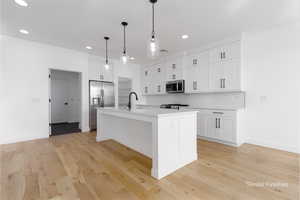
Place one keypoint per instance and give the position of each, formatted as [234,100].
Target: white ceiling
[75,24]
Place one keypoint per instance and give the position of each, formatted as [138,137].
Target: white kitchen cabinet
[146,81]
[174,69]
[225,76]
[214,70]
[225,52]
[197,72]
[154,79]
[97,70]
[219,126]
[158,79]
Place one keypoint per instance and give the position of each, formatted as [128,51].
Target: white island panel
[169,137]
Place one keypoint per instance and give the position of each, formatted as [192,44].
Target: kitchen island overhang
[169,137]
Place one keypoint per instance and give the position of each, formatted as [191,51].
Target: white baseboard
[11,141]
[293,149]
[255,142]
[218,141]
[85,129]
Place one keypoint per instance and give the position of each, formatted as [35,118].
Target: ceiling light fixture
[21,3]
[23,31]
[153,48]
[89,47]
[124,57]
[106,65]
[131,58]
[184,37]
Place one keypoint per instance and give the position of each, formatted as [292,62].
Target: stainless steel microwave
[175,86]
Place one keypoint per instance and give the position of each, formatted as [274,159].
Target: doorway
[65,102]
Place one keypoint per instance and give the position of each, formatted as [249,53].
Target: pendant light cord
[106,54]
[153,33]
[124,49]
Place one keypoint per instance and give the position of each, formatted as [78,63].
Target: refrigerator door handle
[102,98]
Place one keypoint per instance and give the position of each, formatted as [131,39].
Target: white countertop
[151,112]
[225,108]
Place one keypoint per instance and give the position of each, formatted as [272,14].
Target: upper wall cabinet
[225,67]
[174,69]
[158,82]
[146,80]
[225,53]
[214,70]
[197,72]
[97,70]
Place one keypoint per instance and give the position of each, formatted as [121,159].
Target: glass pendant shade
[153,44]
[106,66]
[153,47]
[124,58]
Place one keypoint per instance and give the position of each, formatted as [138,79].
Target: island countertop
[149,112]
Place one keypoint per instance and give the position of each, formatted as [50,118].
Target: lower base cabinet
[219,126]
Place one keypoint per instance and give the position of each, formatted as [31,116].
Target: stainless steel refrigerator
[101,95]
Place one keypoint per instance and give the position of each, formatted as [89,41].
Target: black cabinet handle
[220,113]
[216,122]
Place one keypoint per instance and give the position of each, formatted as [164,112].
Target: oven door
[171,87]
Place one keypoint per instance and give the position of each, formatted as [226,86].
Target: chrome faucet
[136,97]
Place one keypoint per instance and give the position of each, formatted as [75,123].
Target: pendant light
[153,45]
[106,66]
[124,57]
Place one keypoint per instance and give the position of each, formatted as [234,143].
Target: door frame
[50,96]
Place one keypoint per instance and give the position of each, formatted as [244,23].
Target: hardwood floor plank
[75,167]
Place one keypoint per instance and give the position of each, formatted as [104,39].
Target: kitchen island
[169,137]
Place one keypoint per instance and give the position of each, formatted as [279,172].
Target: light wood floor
[76,167]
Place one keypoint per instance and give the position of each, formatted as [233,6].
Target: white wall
[65,87]
[272,82]
[24,96]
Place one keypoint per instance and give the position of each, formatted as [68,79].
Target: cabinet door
[191,65]
[197,72]
[216,54]
[231,75]
[174,70]
[231,51]
[226,129]
[216,76]
[226,52]
[211,124]
[202,72]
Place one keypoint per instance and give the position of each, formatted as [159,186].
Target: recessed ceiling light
[23,31]
[131,58]
[89,47]
[21,3]
[184,37]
